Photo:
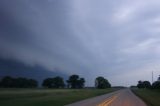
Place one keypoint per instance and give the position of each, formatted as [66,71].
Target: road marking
[108,101]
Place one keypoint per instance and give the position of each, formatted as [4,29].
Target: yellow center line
[108,101]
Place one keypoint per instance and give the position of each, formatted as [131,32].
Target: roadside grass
[151,97]
[46,97]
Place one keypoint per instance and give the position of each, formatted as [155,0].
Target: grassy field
[46,97]
[151,97]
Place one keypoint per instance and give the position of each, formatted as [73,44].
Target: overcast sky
[117,39]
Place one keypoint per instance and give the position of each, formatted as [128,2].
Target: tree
[9,82]
[147,84]
[156,85]
[21,83]
[101,82]
[144,84]
[56,82]
[81,82]
[75,82]
[33,83]
[47,83]
[140,84]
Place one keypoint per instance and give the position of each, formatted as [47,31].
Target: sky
[116,39]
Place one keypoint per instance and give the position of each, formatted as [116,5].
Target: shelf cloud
[117,39]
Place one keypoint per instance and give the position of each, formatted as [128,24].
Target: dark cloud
[14,68]
[116,39]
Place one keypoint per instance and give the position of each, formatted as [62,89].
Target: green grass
[151,97]
[46,97]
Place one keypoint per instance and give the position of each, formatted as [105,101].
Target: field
[46,97]
[151,97]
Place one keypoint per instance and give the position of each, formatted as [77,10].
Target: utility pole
[152,77]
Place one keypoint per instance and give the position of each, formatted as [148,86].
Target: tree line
[9,82]
[147,84]
[74,82]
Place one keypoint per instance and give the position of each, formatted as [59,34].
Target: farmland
[46,97]
[151,97]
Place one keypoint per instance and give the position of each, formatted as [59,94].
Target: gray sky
[117,39]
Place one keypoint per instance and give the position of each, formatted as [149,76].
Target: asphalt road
[118,98]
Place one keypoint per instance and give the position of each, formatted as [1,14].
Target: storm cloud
[117,39]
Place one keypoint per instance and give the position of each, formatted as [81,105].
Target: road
[123,97]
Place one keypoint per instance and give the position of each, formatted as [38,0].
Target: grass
[151,97]
[46,97]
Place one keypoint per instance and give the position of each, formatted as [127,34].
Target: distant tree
[144,84]
[32,83]
[102,83]
[81,82]
[47,83]
[56,82]
[9,82]
[156,85]
[75,82]
[140,84]
[21,82]
[147,84]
